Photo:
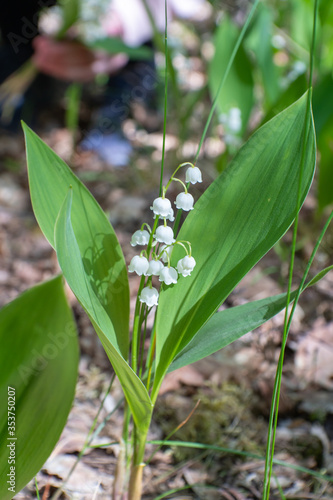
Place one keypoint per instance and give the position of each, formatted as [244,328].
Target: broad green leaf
[238,88]
[244,212]
[39,360]
[72,265]
[101,254]
[228,325]
[116,46]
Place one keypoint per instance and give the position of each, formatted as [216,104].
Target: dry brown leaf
[187,375]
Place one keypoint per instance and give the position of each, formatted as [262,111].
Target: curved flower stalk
[163,238]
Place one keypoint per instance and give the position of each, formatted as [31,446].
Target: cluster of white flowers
[92,13]
[162,242]
[89,25]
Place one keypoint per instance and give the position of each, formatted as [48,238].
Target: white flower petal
[186,265]
[138,265]
[155,267]
[161,206]
[149,296]
[140,238]
[193,175]
[170,215]
[185,201]
[164,234]
[168,275]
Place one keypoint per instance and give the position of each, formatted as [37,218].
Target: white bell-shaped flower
[149,296]
[185,201]
[193,175]
[164,234]
[161,206]
[140,238]
[155,267]
[186,265]
[165,253]
[170,215]
[168,275]
[138,265]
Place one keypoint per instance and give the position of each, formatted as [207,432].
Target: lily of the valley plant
[187,271]
[185,276]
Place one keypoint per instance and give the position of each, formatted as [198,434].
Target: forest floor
[231,390]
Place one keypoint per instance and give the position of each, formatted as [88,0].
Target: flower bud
[149,296]
[184,201]
[139,265]
[168,275]
[186,265]
[155,267]
[164,234]
[193,175]
[140,238]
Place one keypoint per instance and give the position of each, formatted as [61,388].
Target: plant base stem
[120,474]
[135,484]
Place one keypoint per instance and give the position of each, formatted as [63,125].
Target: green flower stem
[143,342]
[140,338]
[189,250]
[147,226]
[150,243]
[167,61]
[181,182]
[150,357]
[172,178]
[136,326]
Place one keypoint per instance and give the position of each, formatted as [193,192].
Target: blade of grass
[280,362]
[37,491]
[279,487]
[287,320]
[170,492]
[201,446]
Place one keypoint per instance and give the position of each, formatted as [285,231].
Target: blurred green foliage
[272,64]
